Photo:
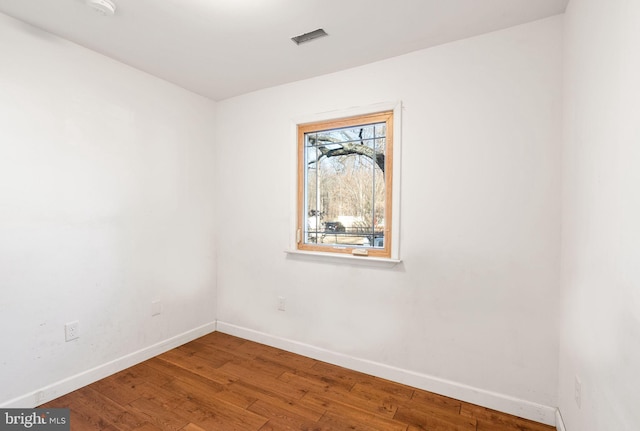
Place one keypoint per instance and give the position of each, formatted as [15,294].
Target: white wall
[601,217]
[474,301]
[106,203]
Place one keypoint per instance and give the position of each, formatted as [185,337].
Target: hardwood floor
[219,382]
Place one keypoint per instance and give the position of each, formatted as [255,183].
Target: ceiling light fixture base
[104,7]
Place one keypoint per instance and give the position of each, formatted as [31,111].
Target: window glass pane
[345,186]
[381,130]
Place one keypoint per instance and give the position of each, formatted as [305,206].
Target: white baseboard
[559,422]
[484,398]
[77,381]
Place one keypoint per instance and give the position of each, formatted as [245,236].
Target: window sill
[343,258]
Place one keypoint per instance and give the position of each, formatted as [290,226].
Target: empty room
[320,215]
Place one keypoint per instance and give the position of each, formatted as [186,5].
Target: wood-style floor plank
[492,420]
[296,407]
[278,414]
[220,382]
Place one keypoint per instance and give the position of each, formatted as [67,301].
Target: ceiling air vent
[308,37]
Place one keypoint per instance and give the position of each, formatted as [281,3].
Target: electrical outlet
[71,331]
[577,394]
[156,308]
[282,303]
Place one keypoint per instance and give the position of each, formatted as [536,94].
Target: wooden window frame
[386,116]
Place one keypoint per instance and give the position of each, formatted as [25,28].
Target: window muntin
[344,185]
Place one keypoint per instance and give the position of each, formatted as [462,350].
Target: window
[345,174]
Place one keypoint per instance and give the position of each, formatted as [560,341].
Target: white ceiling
[223,48]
